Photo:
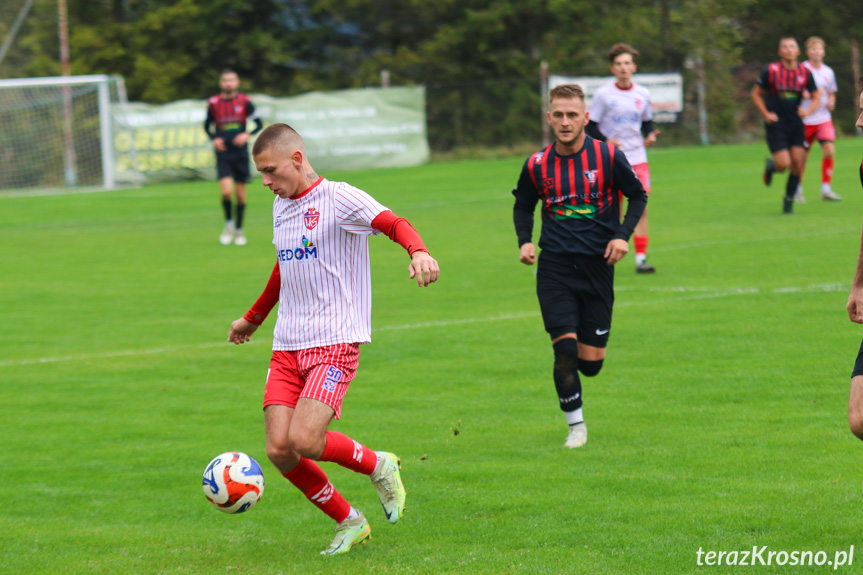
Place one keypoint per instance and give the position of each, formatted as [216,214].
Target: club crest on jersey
[305,254]
[590,175]
[311,218]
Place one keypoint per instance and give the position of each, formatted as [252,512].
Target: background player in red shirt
[229,111]
[777,95]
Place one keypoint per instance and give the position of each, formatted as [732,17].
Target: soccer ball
[233,482]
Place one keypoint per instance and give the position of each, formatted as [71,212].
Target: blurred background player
[855,314]
[322,283]
[229,111]
[777,95]
[621,115]
[819,124]
[580,182]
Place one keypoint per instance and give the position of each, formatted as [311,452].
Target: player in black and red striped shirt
[579,181]
[777,95]
[229,112]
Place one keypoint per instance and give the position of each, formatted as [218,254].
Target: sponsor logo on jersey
[547,185]
[585,212]
[305,254]
[278,222]
[334,376]
[311,218]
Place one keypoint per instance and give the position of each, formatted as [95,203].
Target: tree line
[479,59]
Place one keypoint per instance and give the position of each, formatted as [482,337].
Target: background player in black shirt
[229,111]
[578,180]
[777,96]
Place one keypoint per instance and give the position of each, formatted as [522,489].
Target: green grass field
[718,421]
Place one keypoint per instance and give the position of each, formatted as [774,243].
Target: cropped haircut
[566,91]
[278,136]
[619,49]
[782,39]
[227,71]
[815,40]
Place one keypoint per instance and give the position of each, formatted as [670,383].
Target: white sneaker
[829,195]
[239,238]
[349,533]
[388,484]
[798,195]
[227,234]
[577,436]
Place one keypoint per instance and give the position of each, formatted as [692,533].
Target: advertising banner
[343,130]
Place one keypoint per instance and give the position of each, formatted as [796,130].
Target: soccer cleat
[644,268]
[829,195]
[768,171]
[388,484]
[577,436]
[240,238]
[349,532]
[798,195]
[787,205]
[227,234]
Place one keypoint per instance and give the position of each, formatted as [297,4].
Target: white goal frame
[103,84]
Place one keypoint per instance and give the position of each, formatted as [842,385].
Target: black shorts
[858,365]
[576,295]
[784,135]
[234,164]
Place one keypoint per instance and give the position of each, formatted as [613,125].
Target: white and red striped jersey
[825,79]
[620,114]
[321,239]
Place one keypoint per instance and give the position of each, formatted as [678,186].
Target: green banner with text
[344,130]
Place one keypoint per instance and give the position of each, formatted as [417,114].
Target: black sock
[566,379]
[241,209]
[226,205]
[791,185]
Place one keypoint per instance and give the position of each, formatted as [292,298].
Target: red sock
[826,170]
[348,453]
[640,245]
[309,478]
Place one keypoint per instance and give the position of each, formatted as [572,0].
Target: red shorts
[321,373]
[642,172]
[822,132]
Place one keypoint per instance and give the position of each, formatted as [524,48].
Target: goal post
[60,132]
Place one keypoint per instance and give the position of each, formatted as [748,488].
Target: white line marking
[692,293]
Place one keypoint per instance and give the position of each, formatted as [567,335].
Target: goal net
[61,133]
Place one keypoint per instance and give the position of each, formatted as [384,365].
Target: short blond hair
[815,40]
[566,92]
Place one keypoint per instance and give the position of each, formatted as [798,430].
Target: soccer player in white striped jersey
[621,115]
[322,283]
[818,125]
